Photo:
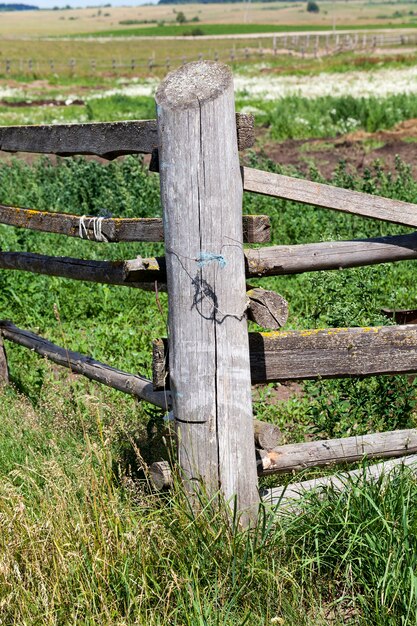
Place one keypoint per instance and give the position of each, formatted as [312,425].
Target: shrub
[181,19]
[312,7]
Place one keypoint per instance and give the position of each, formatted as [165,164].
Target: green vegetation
[231,29]
[312,7]
[79,545]
[296,117]
[290,117]
[82,537]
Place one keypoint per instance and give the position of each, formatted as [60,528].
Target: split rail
[204,371]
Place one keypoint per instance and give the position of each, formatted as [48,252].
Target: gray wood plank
[104,139]
[333,353]
[135,385]
[209,357]
[108,272]
[329,197]
[330,255]
[256,228]
[328,353]
[299,456]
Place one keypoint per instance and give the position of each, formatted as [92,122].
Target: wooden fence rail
[265,435]
[270,261]
[90,368]
[205,377]
[256,228]
[297,457]
[289,499]
[104,139]
[316,354]
[329,197]
[330,255]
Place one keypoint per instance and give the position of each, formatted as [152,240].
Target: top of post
[192,84]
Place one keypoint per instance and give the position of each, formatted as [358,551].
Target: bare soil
[360,150]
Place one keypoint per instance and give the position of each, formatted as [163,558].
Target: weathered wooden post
[4,371]
[201,193]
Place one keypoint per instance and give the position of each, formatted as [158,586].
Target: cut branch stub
[267,436]
[160,474]
[267,308]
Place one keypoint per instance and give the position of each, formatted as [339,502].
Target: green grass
[82,544]
[231,29]
[289,117]
[83,540]
[295,117]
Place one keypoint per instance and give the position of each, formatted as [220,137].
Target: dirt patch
[281,392]
[360,150]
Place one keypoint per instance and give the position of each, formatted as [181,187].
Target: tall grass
[84,540]
[81,543]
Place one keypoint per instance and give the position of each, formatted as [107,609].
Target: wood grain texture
[267,308]
[161,475]
[329,353]
[333,353]
[330,255]
[4,370]
[256,228]
[108,272]
[84,227]
[328,197]
[209,356]
[104,139]
[107,140]
[245,129]
[290,498]
[283,260]
[90,368]
[267,436]
[300,456]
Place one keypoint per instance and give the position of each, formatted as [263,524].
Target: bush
[312,7]
[181,19]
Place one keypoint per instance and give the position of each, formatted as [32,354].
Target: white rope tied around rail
[94,223]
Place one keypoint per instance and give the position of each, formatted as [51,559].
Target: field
[75,21]
[84,539]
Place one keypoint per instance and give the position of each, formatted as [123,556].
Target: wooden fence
[266,47]
[203,373]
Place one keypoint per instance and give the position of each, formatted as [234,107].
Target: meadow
[64,22]
[84,538]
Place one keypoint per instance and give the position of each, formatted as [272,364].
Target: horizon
[80,4]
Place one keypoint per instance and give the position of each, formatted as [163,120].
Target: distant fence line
[308,45]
